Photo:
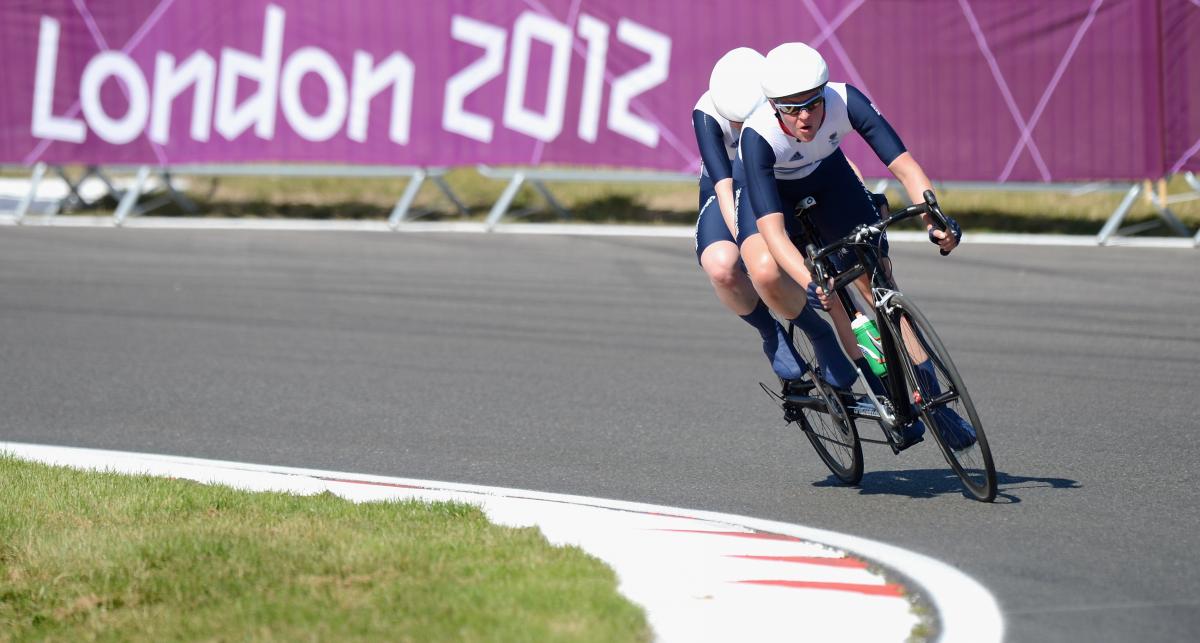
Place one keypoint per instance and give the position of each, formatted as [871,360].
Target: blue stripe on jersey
[711,141]
[872,126]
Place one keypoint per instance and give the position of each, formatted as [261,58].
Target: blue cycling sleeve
[758,160]
[711,141]
[872,126]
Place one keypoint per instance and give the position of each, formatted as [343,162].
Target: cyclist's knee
[722,265]
[763,270]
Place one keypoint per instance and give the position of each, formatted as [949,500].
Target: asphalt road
[605,366]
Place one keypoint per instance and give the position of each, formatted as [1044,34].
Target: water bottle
[868,342]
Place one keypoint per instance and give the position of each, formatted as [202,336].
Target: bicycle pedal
[899,443]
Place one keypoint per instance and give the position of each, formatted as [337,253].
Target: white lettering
[107,64]
[319,62]
[637,81]
[542,126]
[396,70]
[455,118]
[259,109]
[170,81]
[45,123]
[595,33]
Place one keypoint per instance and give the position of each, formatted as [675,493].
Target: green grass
[638,203]
[134,558]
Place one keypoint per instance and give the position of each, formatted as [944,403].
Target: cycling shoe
[956,432]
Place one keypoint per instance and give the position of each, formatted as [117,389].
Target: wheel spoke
[946,407]
[827,425]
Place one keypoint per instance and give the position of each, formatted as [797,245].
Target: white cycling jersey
[728,134]
[846,110]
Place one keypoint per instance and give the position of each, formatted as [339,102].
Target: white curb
[700,575]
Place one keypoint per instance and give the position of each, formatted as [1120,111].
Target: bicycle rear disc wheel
[970,460]
[833,434]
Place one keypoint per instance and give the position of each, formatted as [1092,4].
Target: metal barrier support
[1114,220]
[1161,208]
[400,212]
[506,197]
[39,171]
[410,193]
[1112,226]
[129,199]
[74,198]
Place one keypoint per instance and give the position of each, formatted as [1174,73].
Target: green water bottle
[869,344]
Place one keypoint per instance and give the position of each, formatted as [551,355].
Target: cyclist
[734,92]
[790,149]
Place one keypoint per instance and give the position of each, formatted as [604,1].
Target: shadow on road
[931,483]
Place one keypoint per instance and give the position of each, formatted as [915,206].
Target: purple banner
[993,90]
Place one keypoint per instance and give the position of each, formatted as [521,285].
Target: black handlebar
[939,219]
[814,255]
[930,206]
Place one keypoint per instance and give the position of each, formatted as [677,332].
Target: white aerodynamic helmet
[793,68]
[735,83]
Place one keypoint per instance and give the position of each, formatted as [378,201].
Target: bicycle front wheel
[832,434]
[945,406]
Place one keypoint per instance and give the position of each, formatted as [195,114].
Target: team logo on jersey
[796,157]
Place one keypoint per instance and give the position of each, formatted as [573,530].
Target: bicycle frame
[863,241]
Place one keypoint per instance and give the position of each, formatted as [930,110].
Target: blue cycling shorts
[843,202]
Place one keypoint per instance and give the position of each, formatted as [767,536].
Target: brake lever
[935,211]
[814,269]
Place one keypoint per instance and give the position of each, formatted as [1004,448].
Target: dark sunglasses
[807,106]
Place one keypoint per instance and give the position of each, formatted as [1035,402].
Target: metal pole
[1114,220]
[73,198]
[501,206]
[39,171]
[445,188]
[177,196]
[1165,214]
[410,193]
[558,207]
[129,199]
[1191,179]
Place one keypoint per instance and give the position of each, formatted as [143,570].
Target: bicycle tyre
[972,464]
[833,435]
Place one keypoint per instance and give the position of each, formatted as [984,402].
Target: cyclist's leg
[788,299]
[718,255]
[842,204]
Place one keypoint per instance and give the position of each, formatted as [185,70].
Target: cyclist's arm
[785,253]
[758,160]
[724,190]
[886,143]
[912,177]
[711,142]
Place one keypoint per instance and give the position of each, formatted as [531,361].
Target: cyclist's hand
[816,296]
[946,240]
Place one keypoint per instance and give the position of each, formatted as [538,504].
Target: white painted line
[701,576]
[582,229]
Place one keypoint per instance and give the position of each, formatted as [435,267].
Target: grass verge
[631,203]
[87,555]
[638,203]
